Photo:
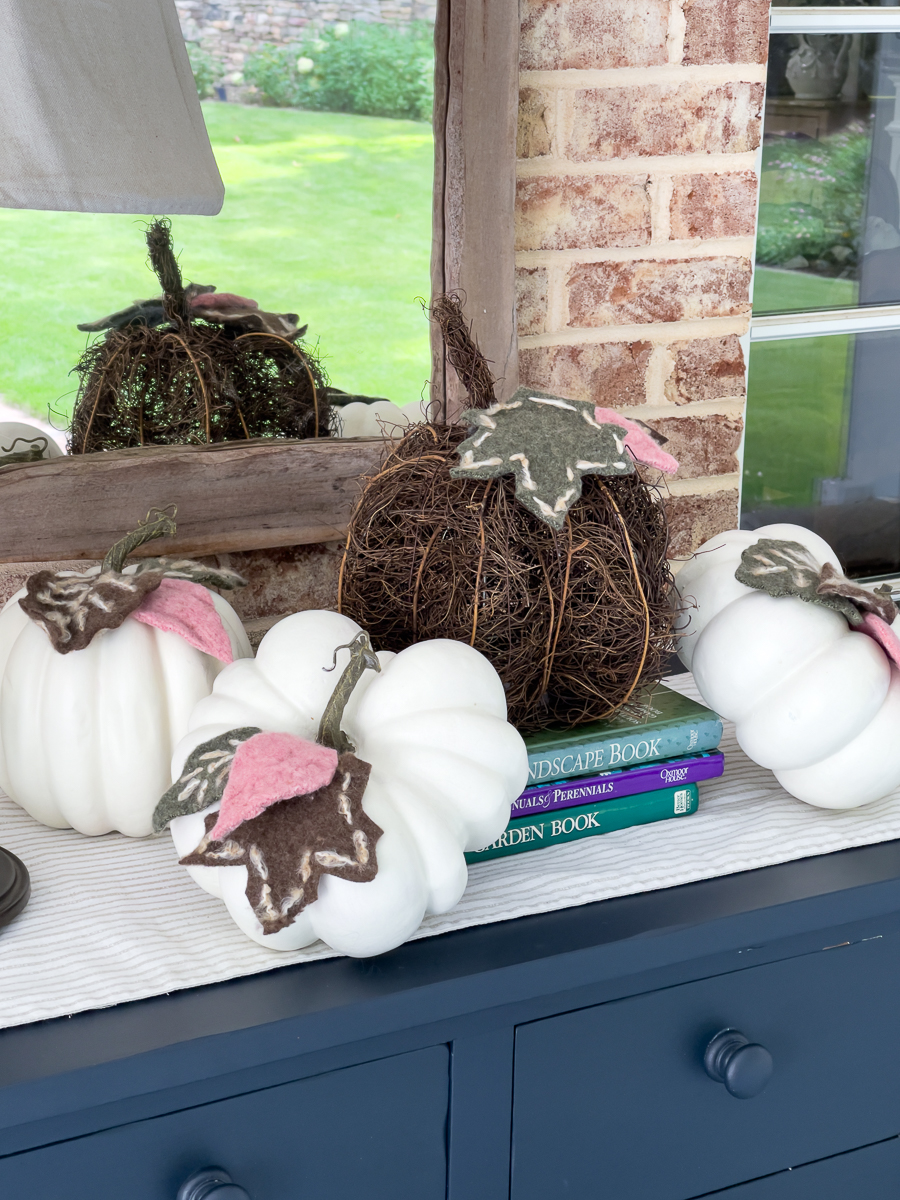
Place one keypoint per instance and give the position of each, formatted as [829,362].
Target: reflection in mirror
[829,215]
[327,215]
[822,444]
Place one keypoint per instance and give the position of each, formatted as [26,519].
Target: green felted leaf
[188,568]
[203,779]
[783,568]
[548,443]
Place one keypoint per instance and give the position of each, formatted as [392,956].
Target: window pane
[829,215]
[822,445]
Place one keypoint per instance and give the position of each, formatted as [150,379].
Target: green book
[660,724]
[566,825]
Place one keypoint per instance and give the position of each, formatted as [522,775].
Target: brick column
[639,126]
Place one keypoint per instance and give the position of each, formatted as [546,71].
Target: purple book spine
[567,793]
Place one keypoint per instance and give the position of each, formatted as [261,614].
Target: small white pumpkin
[86,737]
[445,768]
[380,418]
[17,437]
[812,699]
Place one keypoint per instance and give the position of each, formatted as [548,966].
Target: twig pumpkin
[574,612]
[193,366]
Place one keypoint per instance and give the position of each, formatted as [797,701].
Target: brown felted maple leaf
[72,608]
[289,846]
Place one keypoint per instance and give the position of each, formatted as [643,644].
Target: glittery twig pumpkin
[573,615]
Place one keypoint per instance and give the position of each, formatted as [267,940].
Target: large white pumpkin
[812,700]
[446,767]
[86,738]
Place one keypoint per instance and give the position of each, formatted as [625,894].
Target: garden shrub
[206,70]
[373,69]
[833,172]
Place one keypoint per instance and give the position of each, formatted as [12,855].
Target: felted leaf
[188,568]
[203,778]
[271,767]
[188,610]
[882,633]
[784,568]
[72,609]
[288,848]
[548,443]
[879,602]
[641,440]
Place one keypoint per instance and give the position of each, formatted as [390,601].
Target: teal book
[660,724]
[534,833]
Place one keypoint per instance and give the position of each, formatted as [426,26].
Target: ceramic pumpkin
[776,640]
[87,733]
[359,419]
[445,765]
[20,442]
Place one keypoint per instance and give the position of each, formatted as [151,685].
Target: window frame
[791,326]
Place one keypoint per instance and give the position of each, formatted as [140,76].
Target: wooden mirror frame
[255,495]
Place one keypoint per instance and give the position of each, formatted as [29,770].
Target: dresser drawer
[365,1131]
[869,1174]
[615,1100]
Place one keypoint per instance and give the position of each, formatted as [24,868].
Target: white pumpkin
[86,738]
[17,436]
[812,700]
[446,767]
[380,418]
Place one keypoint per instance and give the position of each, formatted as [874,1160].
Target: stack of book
[641,765]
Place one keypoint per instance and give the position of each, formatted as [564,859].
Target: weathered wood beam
[473,248]
[230,496]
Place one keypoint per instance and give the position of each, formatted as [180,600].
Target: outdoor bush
[828,179]
[372,69]
[205,68]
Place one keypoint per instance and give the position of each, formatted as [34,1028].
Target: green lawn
[326,214]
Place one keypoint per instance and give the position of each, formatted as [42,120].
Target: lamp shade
[99,111]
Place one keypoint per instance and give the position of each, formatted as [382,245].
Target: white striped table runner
[113,919]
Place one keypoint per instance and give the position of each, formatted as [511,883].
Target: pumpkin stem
[362,658]
[157,523]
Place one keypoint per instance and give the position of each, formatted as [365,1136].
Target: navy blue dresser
[573,1055]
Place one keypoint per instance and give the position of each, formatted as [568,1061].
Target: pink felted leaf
[878,629]
[267,768]
[222,300]
[179,606]
[638,441]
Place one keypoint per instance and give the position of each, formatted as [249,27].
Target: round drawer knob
[212,1183]
[741,1065]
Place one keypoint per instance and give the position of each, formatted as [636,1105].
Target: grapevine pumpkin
[340,808]
[804,661]
[99,673]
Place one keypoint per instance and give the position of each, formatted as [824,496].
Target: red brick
[562,35]
[670,290]
[531,300]
[535,128]
[726,31]
[612,373]
[702,445]
[690,118]
[693,519]
[577,212]
[707,369]
[709,206]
